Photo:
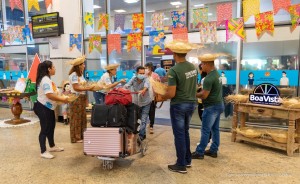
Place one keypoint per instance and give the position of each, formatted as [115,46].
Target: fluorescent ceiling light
[96,6]
[131,1]
[166,18]
[177,6]
[150,11]
[198,5]
[209,14]
[120,11]
[175,3]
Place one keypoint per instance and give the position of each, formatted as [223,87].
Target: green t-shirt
[213,84]
[184,77]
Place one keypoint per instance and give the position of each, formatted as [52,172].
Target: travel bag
[133,114]
[117,116]
[99,115]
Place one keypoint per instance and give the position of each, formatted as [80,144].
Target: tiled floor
[236,163]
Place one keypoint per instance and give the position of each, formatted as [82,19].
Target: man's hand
[142,92]
[123,80]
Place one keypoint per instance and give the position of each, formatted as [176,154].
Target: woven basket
[278,135]
[289,103]
[237,98]
[250,132]
[158,87]
[246,91]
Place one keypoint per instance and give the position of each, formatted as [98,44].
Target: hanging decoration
[33,69]
[138,21]
[103,21]
[33,3]
[250,7]
[235,27]
[157,21]
[75,41]
[48,2]
[1,41]
[134,40]
[264,22]
[17,3]
[295,16]
[13,33]
[156,39]
[119,21]
[200,16]
[178,19]
[208,31]
[281,4]
[224,12]
[26,33]
[95,43]
[180,34]
[114,42]
[89,19]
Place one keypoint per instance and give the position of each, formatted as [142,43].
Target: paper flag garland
[1,41]
[180,34]
[75,41]
[13,33]
[17,3]
[26,33]
[157,21]
[235,26]
[295,16]
[33,3]
[103,21]
[178,19]
[224,12]
[281,4]
[264,22]
[134,40]
[138,21]
[114,42]
[89,19]
[33,69]
[200,16]
[48,2]
[119,21]
[208,31]
[95,43]
[156,38]
[250,7]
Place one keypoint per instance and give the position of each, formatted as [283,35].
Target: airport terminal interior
[255,44]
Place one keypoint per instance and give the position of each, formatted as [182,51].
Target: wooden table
[241,110]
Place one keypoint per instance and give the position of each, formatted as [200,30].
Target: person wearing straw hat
[211,95]
[108,81]
[78,122]
[182,82]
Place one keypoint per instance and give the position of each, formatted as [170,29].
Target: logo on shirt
[46,87]
[265,93]
[190,74]
[74,78]
[49,105]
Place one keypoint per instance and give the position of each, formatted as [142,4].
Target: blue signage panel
[229,76]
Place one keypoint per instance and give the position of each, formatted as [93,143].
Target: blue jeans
[144,117]
[99,97]
[181,115]
[210,123]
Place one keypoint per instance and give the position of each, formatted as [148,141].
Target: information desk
[242,110]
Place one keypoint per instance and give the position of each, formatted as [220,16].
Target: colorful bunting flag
[26,33]
[95,43]
[178,19]
[75,41]
[200,16]
[138,21]
[33,3]
[180,34]
[235,26]
[134,40]
[295,16]
[1,41]
[224,12]
[281,4]
[103,21]
[13,33]
[114,42]
[208,31]
[48,2]
[119,21]
[157,21]
[250,7]
[156,38]
[17,3]
[33,69]
[89,19]
[264,22]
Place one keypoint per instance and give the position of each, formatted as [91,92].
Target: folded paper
[264,22]
[281,4]
[17,3]
[157,21]
[33,3]
[134,40]
[138,22]
[89,19]
[103,21]
[75,41]
[95,43]
[250,7]
[114,42]
[224,12]
[178,19]
[295,16]
[208,31]
[200,16]
[180,34]
[235,27]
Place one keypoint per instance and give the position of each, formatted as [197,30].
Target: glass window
[96,7]
[164,8]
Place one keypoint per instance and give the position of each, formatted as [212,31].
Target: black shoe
[208,153]
[196,155]
[176,168]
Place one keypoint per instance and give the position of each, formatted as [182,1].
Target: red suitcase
[104,141]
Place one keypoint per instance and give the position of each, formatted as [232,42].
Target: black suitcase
[117,116]
[99,115]
[133,114]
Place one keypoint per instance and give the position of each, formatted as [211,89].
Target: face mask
[141,77]
[146,71]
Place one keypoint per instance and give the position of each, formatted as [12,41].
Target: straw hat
[111,66]
[77,61]
[181,47]
[208,57]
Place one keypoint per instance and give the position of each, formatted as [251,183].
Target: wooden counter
[241,111]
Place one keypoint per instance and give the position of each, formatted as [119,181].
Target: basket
[158,87]
[237,98]
[287,92]
[246,91]
[278,135]
[250,132]
[290,103]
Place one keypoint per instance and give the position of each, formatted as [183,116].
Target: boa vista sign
[266,94]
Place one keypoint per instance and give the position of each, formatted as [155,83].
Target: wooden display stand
[241,111]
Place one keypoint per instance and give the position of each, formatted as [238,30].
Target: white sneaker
[56,149]
[47,155]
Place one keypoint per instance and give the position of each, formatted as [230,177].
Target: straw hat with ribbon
[111,66]
[77,61]
[181,47]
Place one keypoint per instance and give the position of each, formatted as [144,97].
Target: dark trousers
[47,122]
[99,97]
[152,113]
[228,109]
